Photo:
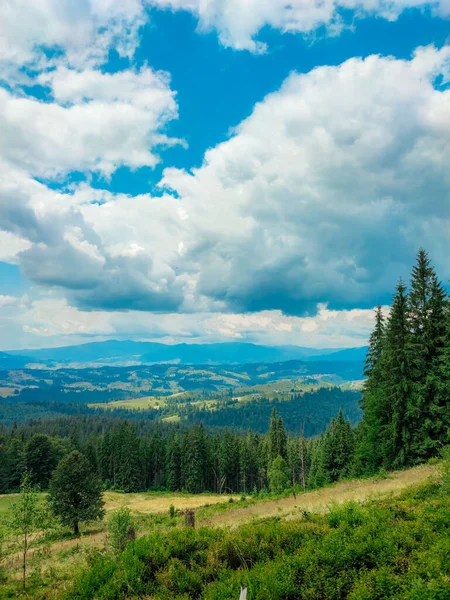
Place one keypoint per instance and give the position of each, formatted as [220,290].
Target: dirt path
[318,500]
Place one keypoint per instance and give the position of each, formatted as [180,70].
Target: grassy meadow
[58,561]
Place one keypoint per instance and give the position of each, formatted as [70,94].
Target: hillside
[335,532]
[238,396]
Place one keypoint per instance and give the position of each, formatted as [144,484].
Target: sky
[218,170]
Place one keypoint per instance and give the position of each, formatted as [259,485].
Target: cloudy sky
[218,170]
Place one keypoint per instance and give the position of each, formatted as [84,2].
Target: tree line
[193,460]
[406,400]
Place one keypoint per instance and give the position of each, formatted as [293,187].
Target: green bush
[382,550]
[118,526]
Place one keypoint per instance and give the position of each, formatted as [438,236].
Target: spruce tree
[396,431]
[173,464]
[304,459]
[368,455]
[282,439]
[128,467]
[440,408]
[40,459]
[427,307]
[273,443]
[318,475]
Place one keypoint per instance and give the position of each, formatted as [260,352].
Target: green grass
[5,501]
[379,550]
[382,550]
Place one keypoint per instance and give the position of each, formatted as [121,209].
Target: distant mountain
[115,352]
[9,361]
[348,354]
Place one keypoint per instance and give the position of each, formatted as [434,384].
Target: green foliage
[406,399]
[332,453]
[40,459]
[379,551]
[118,525]
[28,520]
[278,475]
[75,493]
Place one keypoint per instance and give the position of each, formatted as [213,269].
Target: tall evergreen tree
[282,439]
[396,432]
[368,457]
[40,459]
[128,465]
[273,443]
[173,464]
[440,408]
[427,305]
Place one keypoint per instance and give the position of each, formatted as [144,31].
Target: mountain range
[121,353]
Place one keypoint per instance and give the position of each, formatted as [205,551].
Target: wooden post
[243,595]
[189,518]
[131,533]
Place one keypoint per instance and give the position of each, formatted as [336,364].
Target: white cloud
[53,317]
[322,195]
[44,33]
[10,246]
[81,32]
[238,22]
[6,300]
[326,191]
[104,121]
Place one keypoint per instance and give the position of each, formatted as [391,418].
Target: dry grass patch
[148,502]
[319,500]
[143,403]
[6,392]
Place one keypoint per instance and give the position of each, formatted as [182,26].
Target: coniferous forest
[405,406]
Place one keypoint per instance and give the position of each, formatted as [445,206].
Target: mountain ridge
[116,352]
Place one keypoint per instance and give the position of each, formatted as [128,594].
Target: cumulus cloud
[87,245]
[321,196]
[44,33]
[325,192]
[98,122]
[80,34]
[238,22]
[52,317]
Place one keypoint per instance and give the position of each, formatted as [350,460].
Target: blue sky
[175,171]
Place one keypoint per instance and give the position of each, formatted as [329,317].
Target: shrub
[387,549]
[118,525]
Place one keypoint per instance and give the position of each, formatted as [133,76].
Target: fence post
[243,595]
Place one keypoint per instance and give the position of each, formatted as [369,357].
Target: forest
[385,549]
[405,406]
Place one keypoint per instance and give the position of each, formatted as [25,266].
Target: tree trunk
[24,569]
[76,529]
[24,566]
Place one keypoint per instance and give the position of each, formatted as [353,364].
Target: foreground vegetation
[383,549]
[59,557]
